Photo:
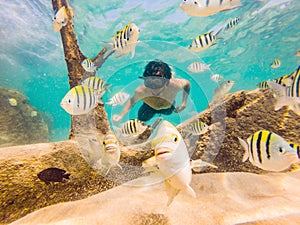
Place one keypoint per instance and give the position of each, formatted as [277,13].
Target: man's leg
[146,112]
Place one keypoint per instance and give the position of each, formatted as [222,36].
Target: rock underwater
[222,198]
[20,122]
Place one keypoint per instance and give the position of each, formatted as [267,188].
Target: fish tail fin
[67,175]
[132,53]
[109,103]
[217,29]
[106,44]
[107,86]
[245,146]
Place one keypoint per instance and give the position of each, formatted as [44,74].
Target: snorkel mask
[154,82]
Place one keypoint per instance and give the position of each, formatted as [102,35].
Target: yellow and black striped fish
[202,42]
[287,96]
[88,65]
[269,151]
[79,100]
[198,127]
[296,147]
[131,127]
[232,23]
[96,83]
[285,80]
[276,63]
[125,40]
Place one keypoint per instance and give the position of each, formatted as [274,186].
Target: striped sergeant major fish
[198,127]
[276,63]
[125,40]
[133,127]
[198,67]
[285,80]
[208,7]
[80,100]
[287,96]
[88,65]
[97,84]
[203,41]
[296,147]
[118,99]
[232,23]
[269,151]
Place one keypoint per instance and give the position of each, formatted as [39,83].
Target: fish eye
[130,29]
[104,142]
[281,150]
[195,2]
[69,101]
[175,138]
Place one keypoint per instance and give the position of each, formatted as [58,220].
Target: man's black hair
[157,68]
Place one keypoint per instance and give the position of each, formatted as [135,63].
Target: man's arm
[185,86]
[134,99]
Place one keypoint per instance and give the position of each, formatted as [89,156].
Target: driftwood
[76,73]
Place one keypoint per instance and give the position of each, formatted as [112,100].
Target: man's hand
[116,118]
[179,108]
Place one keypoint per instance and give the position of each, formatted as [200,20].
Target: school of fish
[264,149]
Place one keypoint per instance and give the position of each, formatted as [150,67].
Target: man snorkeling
[158,92]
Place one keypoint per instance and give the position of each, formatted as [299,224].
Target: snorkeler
[158,93]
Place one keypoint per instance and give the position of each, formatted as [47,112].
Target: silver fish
[88,65]
[118,99]
[223,89]
[287,96]
[198,67]
[110,156]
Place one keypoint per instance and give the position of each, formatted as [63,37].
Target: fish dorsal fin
[245,146]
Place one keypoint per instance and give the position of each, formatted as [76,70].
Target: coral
[19,125]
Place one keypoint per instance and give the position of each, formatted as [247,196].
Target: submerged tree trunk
[76,73]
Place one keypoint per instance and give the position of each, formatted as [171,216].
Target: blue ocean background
[32,58]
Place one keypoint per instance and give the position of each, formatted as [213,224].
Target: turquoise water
[32,58]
